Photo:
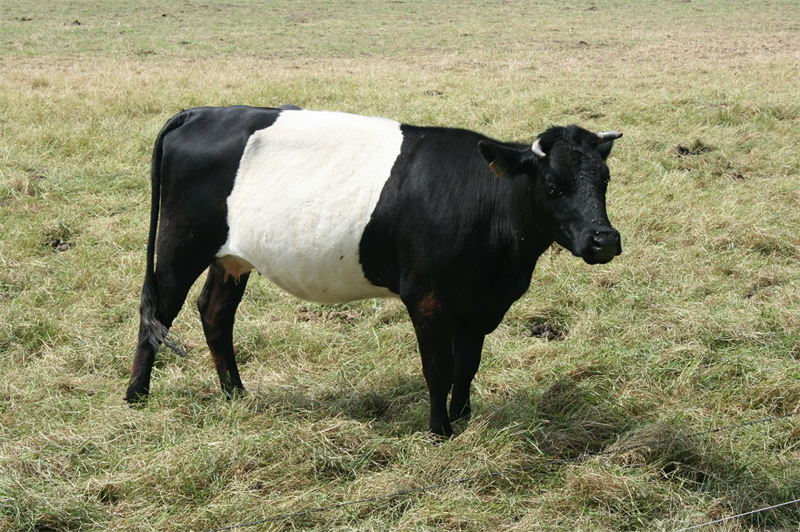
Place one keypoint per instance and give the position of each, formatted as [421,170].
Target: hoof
[441,433]
[465,414]
[136,397]
[234,393]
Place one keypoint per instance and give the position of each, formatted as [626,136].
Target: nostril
[604,240]
[615,240]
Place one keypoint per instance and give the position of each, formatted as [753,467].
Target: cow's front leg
[467,346]
[434,329]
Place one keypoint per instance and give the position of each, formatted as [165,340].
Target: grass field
[696,326]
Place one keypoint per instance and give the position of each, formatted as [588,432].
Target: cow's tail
[156,332]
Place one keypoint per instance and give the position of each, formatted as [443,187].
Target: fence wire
[738,516]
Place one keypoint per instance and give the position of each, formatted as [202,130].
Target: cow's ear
[605,141]
[604,149]
[503,159]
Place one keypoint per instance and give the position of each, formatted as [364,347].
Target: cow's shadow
[393,408]
[565,419]
[566,422]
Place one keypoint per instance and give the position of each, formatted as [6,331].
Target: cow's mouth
[599,259]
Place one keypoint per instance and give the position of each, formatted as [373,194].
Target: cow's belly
[304,192]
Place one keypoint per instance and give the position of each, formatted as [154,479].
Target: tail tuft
[157,332]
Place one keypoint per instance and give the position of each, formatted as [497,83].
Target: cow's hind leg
[217,304]
[467,346]
[162,299]
[139,383]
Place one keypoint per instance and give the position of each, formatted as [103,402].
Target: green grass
[695,326]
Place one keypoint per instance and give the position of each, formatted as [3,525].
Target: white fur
[304,192]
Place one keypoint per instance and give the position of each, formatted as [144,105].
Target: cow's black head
[569,176]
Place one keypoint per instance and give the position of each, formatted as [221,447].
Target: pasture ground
[696,326]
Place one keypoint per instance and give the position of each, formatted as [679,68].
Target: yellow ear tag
[498,167]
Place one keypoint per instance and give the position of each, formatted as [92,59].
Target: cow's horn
[537,149]
[605,136]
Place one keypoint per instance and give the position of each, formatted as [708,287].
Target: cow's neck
[529,240]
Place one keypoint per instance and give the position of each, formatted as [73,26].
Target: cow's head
[569,176]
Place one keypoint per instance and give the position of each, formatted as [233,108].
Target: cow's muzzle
[603,246]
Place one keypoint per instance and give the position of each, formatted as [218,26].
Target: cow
[335,207]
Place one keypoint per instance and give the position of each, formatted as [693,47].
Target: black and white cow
[335,207]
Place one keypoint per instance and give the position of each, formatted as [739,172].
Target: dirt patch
[736,176]
[757,285]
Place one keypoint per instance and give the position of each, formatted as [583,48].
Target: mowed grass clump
[695,327]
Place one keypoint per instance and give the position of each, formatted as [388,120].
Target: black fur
[458,239]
